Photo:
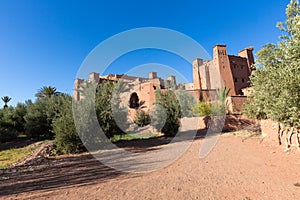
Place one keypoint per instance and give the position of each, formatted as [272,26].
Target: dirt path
[235,169]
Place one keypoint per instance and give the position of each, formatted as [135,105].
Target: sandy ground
[237,168]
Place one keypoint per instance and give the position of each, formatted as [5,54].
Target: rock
[41,154]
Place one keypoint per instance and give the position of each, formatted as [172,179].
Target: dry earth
[237,168]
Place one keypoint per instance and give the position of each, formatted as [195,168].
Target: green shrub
[202,109]
[167,111]
[187,102]
[40,116]
[7,117]
[38,124]
[218,109]
[7,125]
[19,112]
[142,118]
[105,104]
[276,80]
[66,138]
[7,134]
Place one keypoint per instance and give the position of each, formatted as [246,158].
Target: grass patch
[22,136]
[149,135]
[11,156]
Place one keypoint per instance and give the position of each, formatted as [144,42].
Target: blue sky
[44,42]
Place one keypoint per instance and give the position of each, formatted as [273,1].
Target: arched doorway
[134,100]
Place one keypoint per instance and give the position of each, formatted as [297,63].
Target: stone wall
[269,130]
[203,95]
[240,73]
[235,104]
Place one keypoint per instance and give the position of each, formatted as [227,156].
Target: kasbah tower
[227,70]
[224,70]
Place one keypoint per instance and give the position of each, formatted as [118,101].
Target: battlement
[230,71]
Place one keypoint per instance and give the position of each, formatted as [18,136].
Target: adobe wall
[235,104]
[210,75]
[240,73]
[77,83]
[196,73]
[221,61]
[203,95]
[188,86]
[231,123]
[146,94]
[269,129]
[248,54]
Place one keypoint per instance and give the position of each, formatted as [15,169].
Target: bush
[142,118]
[105,104]
[7,117]
[202,109]
[38,125]
[167,109]
[276,80]
[66,138]
[187,102]
[40,116]
[19,114]
[7,125]
[218,109]
[7,134]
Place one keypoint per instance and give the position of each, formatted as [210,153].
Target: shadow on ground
[56,174]
[72,171]
[18,143]
[84,169]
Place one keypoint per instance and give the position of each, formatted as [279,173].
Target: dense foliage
[186,101]
[202,109]
[215,108]
[40,116]
[111,116]
[166,115]
[66,138]
[276,81]
[142,118]
[12,122]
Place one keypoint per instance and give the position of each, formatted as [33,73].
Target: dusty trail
[235,169]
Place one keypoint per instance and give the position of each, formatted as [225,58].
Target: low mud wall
[232,123]
[269,130]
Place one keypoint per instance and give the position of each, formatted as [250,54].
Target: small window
[235,79]
[243,80]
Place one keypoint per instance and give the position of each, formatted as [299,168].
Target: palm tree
[47,92]
[222,94]
[5,99]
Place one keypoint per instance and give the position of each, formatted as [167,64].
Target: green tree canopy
[276,81]
[166,115]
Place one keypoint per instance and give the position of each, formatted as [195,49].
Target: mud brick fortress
[223,71]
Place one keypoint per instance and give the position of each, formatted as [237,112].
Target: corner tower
[248,54]
[196,73]
[222,65]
